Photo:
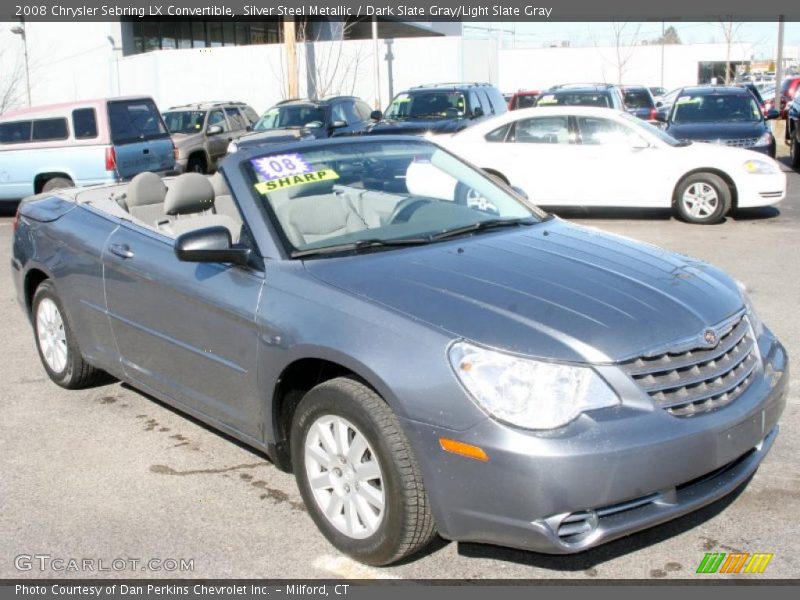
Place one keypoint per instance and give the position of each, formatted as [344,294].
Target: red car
[523,99]
[788,91]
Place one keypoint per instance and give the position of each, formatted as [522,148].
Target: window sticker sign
[280,165]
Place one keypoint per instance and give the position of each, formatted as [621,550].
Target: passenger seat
[145,196]
[189,197]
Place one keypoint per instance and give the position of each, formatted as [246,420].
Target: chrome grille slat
[642,366]
[738,143]
[699,380]
[722,365]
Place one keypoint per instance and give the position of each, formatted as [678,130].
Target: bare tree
[332,67]
[730,31]
[624,49]
[12,81]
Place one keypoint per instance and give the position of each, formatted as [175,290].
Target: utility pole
[20,31]
[290,45]
[377,64]
[779,64]
[663,42]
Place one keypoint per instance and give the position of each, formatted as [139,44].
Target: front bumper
[760,190]
[622,469]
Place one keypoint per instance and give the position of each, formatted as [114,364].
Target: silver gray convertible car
[426,350]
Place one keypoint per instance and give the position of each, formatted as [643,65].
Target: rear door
[140,138]
[185,330]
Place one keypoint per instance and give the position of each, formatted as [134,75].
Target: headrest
[219,185]
[145,189]
[188,194]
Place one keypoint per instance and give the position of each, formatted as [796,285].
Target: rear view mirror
[214,130]
[211,244]
[376,115]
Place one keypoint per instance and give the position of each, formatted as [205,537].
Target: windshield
[433,105]
[714,108]
[651,129]
[185,121]
[574,99]
[638,99]
[296,115]
[345,196]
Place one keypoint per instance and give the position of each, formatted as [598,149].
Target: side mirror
[338,124]
[772,113]
[210,245]
[659,104]
[376,115]
[214,130]
[477,112]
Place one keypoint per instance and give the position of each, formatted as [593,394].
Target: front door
[185,330]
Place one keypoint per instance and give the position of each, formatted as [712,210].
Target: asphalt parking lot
[110,473]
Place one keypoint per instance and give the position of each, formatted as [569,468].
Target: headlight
[528,393]
[765,139]
[760,167]
[232,147]
[752,316]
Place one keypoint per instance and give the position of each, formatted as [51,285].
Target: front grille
[690,382]
[738,143]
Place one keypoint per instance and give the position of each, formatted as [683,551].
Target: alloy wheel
[344,476]
[51,334]
[700,200]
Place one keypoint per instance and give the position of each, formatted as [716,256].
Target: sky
[763,36]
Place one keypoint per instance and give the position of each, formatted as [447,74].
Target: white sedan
[583,156]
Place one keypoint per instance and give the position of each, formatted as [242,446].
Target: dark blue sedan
[720,115]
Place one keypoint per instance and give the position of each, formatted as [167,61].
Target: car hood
[553,290]
[716,131]
[417,126]
[271,136]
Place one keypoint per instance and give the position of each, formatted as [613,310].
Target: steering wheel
[471,198]
[405,208]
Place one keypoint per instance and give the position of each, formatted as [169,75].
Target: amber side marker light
[463,449]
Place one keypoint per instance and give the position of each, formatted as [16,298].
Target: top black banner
[403,10]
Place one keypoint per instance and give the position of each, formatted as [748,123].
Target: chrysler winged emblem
[710,337]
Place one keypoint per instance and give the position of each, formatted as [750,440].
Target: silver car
[426,350]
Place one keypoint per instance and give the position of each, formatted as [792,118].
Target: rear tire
[794,150]
[348,442]
[196,164]
[57,183]
[55,341]
[702,198]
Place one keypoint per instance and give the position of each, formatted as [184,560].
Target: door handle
[146,151]
[121,250]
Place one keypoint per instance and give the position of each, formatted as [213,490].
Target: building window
[198,34]
[214,29]
[150,35]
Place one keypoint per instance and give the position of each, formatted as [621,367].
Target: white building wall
[538,68]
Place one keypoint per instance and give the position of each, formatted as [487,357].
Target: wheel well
[721,174]
[42,178]
[33,279]
[297,379]
[198,154]
[497,174]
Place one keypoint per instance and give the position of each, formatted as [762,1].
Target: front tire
[56,343]
[357,475]
[703,198]
[794,150]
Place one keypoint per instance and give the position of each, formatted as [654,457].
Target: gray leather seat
[145,196]
[188,199]
[223,200]
[309,219]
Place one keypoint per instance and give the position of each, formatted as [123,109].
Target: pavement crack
[165,470]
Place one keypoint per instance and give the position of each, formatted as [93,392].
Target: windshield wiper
[484,225]
[359,245]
